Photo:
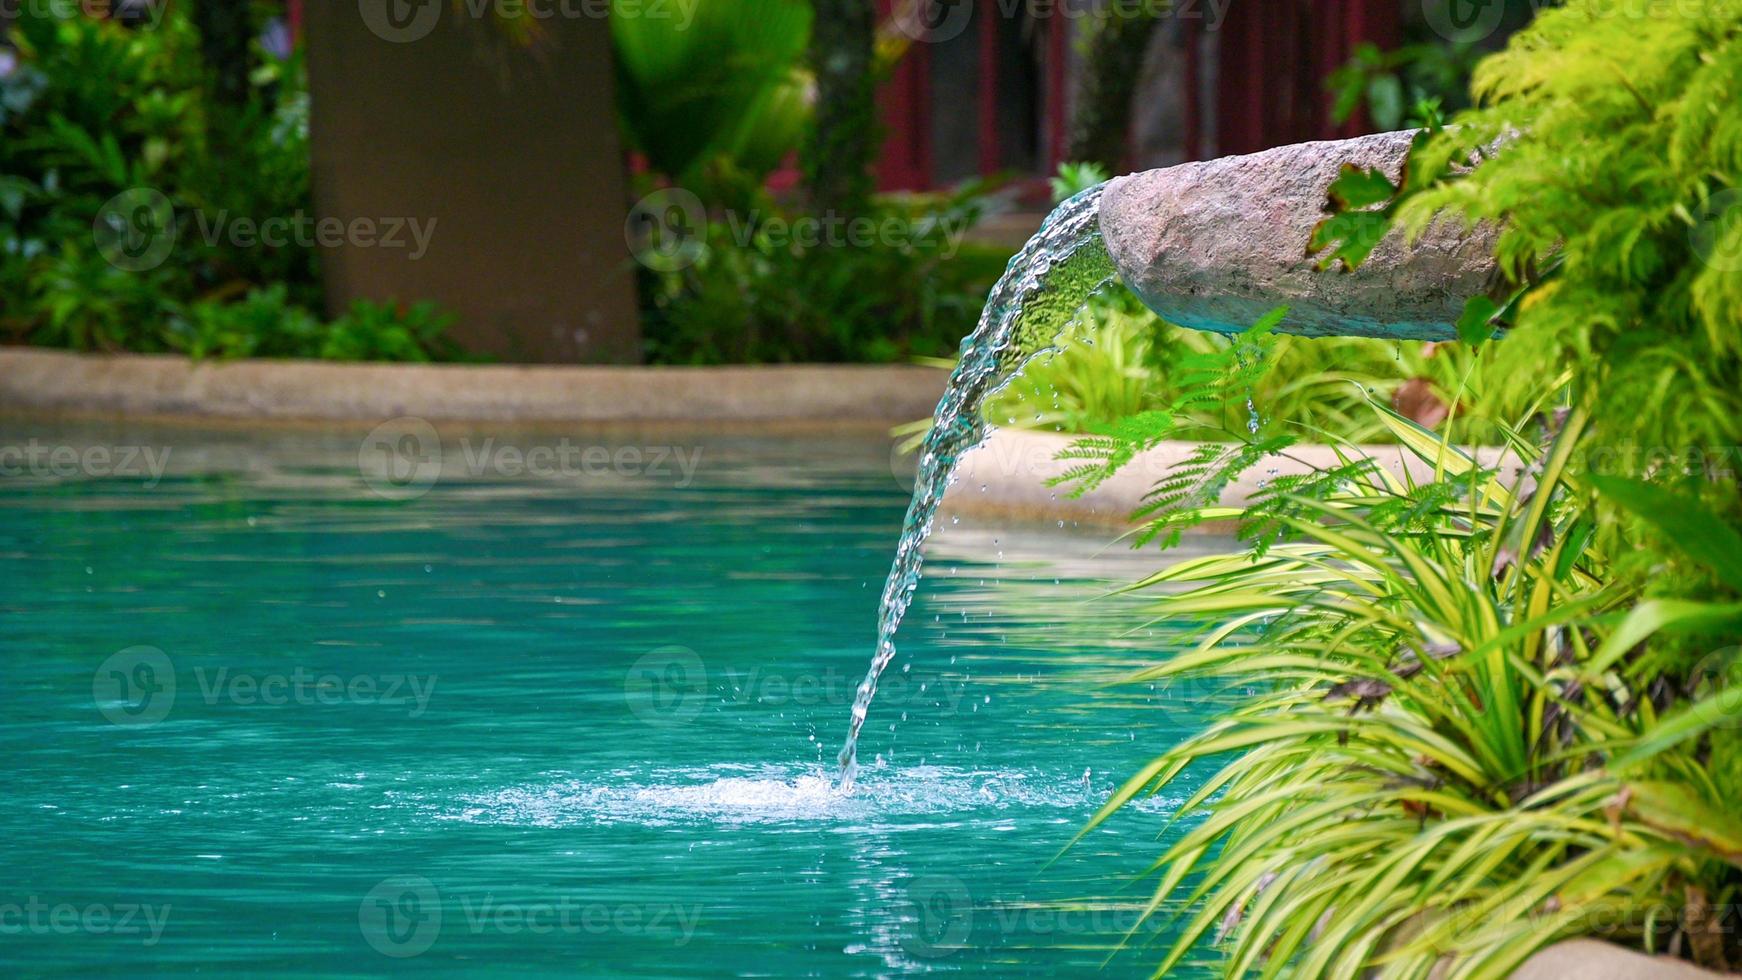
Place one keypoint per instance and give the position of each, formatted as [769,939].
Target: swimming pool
[274,708]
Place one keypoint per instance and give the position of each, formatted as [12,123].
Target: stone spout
[1217,244]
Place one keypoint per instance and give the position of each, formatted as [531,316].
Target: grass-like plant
[1449,767]
[1500,707]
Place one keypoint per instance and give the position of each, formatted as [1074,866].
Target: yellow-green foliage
[1505,706]
[1619,190]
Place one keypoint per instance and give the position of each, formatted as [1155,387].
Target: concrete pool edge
[36,381]
[1007,476]
[1013,465]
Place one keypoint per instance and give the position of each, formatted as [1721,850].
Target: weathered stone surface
[1590,959]
[1217,244]
[44,382]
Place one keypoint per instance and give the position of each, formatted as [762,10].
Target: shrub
[92,109]
[758,294]
[1502,707]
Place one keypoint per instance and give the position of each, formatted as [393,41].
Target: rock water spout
[1210,246]
[1043,287]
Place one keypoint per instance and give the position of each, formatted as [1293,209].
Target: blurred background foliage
[208,104]
[91,108]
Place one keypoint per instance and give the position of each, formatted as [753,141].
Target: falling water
[1041,290]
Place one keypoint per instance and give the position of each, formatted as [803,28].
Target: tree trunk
[843,144]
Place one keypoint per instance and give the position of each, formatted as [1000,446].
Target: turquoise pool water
[271,710]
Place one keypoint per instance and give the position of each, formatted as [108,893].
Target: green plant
[1119,359]
[94,110]
[1450,766]
[1105,368]
[1613,190]
[390,331]
[1074,178]
[261,324]
[1390,84]
[903,284]
[1499,708]
[1426,68]
[720,99]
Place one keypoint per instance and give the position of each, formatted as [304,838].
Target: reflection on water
[555,722]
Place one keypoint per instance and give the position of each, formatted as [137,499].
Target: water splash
[735,794]
[1041,290]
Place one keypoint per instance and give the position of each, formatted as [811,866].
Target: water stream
[1044,286]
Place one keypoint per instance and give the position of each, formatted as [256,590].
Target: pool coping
[1006,478]
[1009,477]
[159,387]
